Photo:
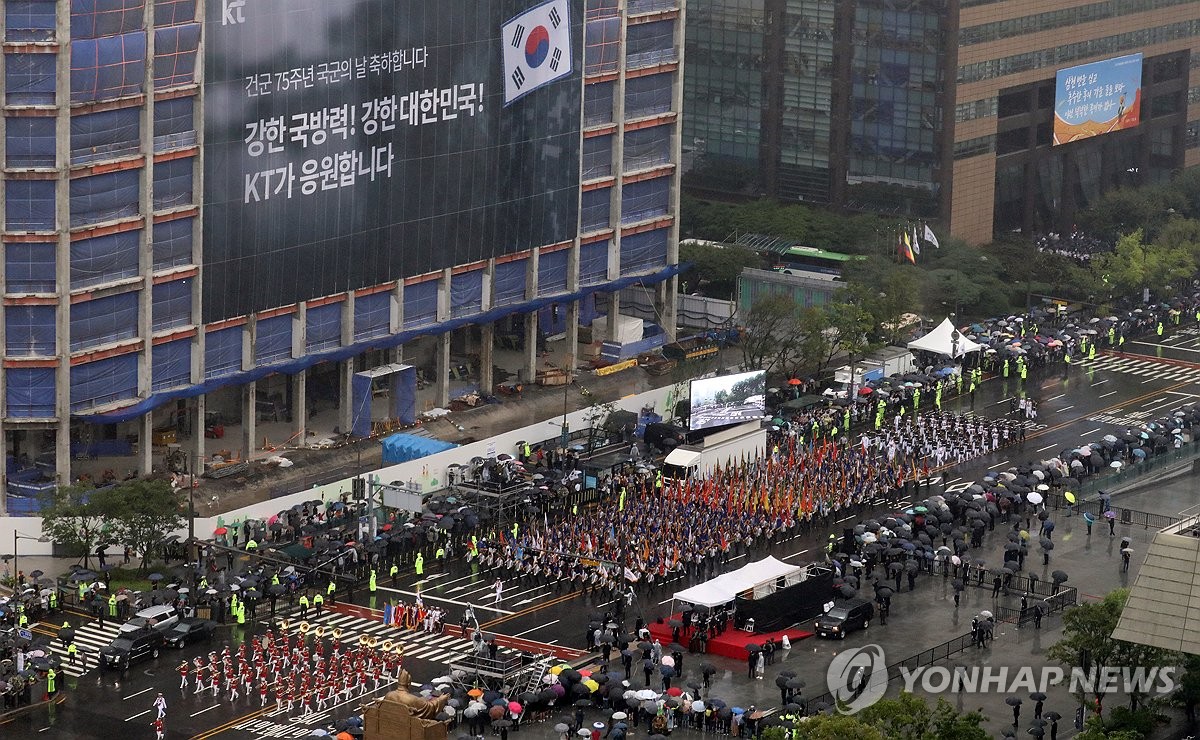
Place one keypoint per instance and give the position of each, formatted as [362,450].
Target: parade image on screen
[1097,98]
[352,142]
[728,399]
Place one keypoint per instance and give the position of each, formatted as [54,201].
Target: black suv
[852,615]
[131,647]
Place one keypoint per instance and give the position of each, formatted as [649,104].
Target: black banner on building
[349,143]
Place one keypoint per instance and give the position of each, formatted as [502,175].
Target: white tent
[940,341]
[724,588]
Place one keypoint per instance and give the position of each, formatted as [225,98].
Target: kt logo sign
[231,12]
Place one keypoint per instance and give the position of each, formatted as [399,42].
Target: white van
[161,617]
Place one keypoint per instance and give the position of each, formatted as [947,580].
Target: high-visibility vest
[303,602]
[318,600]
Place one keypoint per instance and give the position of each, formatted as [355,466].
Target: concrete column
[249,418]
[62,208]
[300,407]
[197,410]
[529,365]
[614,310]
[443,370]
[487,337]
[346,408]
[531,332]
[146,443]
[666,303]
[572,335]
[346,370]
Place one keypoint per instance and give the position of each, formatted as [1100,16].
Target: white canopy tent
[763,574]
[941,341]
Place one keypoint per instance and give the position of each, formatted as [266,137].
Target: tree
[1087,643]
[1135,265]
[145,513]
[74,518]
[909,717]
[835,727]
[850,323]
[768,338]
[715,269]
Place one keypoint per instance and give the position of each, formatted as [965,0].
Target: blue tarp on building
[400,448]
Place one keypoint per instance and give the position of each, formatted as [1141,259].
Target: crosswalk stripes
[89,640]
[418,645]
[1143,368]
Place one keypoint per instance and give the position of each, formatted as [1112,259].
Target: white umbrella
[1033,497]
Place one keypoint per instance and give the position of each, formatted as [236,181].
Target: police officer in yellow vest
[420,564]
[241,612]
[251,546]
[372,584]
[394,573]
[112,606]
[82,592]
[233,604]
[50,685]
[72,652]
[318,603]
[23,620]
[275,580]
[330,589]
[53,599]
[440,556]
[304,606]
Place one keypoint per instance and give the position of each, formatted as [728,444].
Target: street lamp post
[18,536]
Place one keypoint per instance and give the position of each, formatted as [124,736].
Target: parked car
[131,647]
[190,630]
[161,617]
[845,618]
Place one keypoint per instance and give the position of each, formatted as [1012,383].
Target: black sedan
[190,630]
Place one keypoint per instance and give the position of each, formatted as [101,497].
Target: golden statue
[418,706]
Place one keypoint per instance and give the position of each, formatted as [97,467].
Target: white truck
[744,442]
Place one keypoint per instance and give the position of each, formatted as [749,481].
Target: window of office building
[29,79]
[29,142]
[29,20]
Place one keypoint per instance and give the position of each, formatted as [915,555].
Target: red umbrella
[794,381]
[220,530]
[865,391]
[674,691]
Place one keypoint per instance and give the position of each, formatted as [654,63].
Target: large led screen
[1097,98]
[728,399]
[352,142]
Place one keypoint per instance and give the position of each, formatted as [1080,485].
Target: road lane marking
[127,698]
[535,629]
[789,557]
[1043,449]
[1088,434]
[139,714]
[1106,395]
[428,597]
[202,711]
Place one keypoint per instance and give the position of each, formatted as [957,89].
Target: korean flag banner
[537,48]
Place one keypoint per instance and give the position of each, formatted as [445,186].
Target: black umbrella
[1038,696]
[1059,576]
[1052,716]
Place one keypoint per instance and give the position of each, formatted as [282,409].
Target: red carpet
[731,643]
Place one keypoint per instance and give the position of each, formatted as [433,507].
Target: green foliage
[907,717]
[1135,265]
[812,227]
[1087,642]
[134,513]
[74,518]
[910,717]
[715,269]
[835,727]
[769,332]
[1095,729]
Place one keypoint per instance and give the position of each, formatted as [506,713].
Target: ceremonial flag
[931,237]
[916,242]
[537,48]
[906,251]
